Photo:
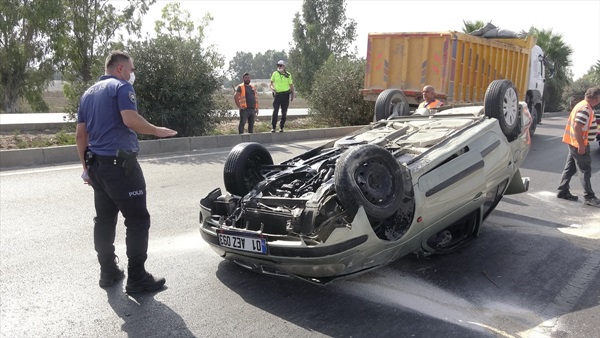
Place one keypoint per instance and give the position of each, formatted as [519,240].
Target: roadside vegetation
[182,82]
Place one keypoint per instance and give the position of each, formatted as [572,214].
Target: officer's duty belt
[110,160]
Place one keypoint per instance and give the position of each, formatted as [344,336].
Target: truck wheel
[391,102]
[502,103]
[243,165]
[369,176]
[534,121]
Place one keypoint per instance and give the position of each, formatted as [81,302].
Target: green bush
[336,98]
[175,84]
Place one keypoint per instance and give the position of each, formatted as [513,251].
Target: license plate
[245,243]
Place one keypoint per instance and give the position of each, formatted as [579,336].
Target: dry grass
[57,102]
[50,138]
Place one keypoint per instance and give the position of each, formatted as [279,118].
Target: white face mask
[131,78]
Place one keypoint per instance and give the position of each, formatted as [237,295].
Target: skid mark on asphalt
[392,288]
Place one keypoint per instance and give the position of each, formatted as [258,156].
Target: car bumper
[347,252]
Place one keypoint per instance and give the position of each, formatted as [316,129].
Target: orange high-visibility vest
[243,97]
[433,104]
[569,136]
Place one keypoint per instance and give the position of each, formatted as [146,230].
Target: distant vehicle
[421,183]
[460,67]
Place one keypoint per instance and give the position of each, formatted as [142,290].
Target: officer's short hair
[246,74]
[592,93]
[116,57]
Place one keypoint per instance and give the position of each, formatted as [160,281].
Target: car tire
[242,167]
[534,120]
[501,102]
[369,176]
[391,102]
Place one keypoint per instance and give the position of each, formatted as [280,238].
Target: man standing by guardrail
[246,99]
[282,86]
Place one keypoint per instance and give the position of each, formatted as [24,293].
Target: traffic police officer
[282,86]
[107,122]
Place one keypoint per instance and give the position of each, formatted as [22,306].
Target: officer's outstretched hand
[164,132]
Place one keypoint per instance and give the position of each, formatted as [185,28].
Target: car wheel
[391,102]
[534,121]
[242,167]
[369,176]
[502,103]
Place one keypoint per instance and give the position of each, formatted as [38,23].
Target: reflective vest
[569,136]
[593,131]
[282,82]
[242,98]
[433,104]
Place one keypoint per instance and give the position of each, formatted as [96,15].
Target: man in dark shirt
[246,100]
[107,122]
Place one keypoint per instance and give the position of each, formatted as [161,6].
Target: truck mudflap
[517,184]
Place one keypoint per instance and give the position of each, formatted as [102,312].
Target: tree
[593,74]
[29,32]
[559,54]
[177,76]
[342,104]
[264,63]
[575,91]
[260,66]
[95,28]
[240,64]
[471,26]
[322,30]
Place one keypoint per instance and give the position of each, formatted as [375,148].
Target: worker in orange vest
[579,157]
[246,100]
[429,100]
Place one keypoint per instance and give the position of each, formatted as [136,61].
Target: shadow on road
[144,316]
[332,311]
[512,280]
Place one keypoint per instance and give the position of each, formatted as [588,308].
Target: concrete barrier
[68,154]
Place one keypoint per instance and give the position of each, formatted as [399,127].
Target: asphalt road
[533,272]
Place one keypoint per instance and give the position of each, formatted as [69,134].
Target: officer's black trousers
[281,100]
[114,192]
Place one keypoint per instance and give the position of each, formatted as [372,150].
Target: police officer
[282,86]
[107,122]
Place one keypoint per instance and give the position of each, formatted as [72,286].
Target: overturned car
[422,183]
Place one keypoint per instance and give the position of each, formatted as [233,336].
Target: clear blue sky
[256,26]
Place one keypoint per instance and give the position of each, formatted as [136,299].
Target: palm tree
[471,26]
[559,53]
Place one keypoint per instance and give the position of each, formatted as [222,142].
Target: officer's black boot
[109,271]
[140,280]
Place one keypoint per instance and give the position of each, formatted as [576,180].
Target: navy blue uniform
[118,182]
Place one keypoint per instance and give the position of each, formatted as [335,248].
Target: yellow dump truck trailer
[459,66]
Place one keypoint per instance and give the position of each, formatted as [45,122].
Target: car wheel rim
[375,182]
[509,106]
